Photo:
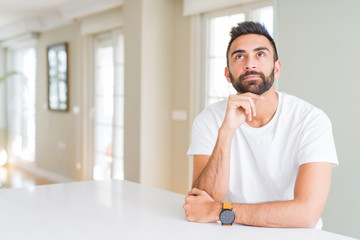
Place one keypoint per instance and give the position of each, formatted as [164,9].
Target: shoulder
[294,104]
[302,110]
[215,110]
[211,118]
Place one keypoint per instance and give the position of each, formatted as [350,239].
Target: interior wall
[156,60]
[319,48]
[180,98]
[3,135]
[133,76]
[58,134]
[148,69]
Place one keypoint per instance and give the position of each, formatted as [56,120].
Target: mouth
[252,77]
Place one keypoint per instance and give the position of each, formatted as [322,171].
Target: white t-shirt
[265,161]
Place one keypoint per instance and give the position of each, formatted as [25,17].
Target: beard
[253,86]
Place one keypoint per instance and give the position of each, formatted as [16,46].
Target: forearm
[214,179]
[310,194]
[285,214]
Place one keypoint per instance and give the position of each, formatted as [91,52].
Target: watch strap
[227,205]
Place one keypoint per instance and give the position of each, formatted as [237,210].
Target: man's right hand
[240,107]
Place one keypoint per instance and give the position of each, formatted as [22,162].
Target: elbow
[305,221]
[308,212]
[309,218]
[309,222]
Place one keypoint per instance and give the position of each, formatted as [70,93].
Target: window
[21,93]
[216,26]
[108,105]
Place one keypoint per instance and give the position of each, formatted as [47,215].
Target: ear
[277,69]
[227,74]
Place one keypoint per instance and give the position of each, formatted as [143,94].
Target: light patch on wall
[179,115]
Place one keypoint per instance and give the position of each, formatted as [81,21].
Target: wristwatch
[227,215]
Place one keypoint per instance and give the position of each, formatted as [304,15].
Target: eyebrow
[261,48]
[255,50]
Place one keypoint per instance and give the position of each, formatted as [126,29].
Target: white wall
[319,46]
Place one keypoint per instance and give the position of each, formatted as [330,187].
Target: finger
[249,117]
[188,199]
[245,102]
[195,192]
[190,193]
[244,97]
[251,102]
[252,95]
[253,108]
[257,97]
[198,192]
[248,110]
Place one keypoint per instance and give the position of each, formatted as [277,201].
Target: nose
[250,64]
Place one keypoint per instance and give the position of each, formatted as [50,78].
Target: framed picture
[58,82]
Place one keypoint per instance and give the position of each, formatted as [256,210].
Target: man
[261,158]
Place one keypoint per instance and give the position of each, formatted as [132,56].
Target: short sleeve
[316,141]
[204,134]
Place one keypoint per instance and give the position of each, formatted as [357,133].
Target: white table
[114,209]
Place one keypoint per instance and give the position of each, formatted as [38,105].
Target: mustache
[262,75]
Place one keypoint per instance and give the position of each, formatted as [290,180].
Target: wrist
[226,132]
[216,210]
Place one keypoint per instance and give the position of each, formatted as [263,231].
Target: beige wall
[58,134]
[181,77]
[154,80]
[133,76]
[319,49]
[156,65]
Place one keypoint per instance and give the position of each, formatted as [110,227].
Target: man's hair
[249,28]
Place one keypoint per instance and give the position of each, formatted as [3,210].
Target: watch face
[227,217]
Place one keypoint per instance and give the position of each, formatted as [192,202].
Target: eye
[260,54]
[239,56]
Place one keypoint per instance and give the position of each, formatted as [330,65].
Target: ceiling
[17,10]
[22,16]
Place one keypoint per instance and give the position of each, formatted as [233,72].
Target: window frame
[90,162]
[10,53]
[204,36]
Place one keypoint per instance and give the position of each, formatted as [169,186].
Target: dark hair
[250,28]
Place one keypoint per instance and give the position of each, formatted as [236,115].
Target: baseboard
[55,177]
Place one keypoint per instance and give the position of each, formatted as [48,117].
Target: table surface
[113,209]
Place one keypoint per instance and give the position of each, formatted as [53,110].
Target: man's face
[251,64]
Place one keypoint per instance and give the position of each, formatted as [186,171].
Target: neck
[265,109]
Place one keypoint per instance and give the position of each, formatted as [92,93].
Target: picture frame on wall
[58,80]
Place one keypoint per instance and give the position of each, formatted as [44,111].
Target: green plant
[9,74]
